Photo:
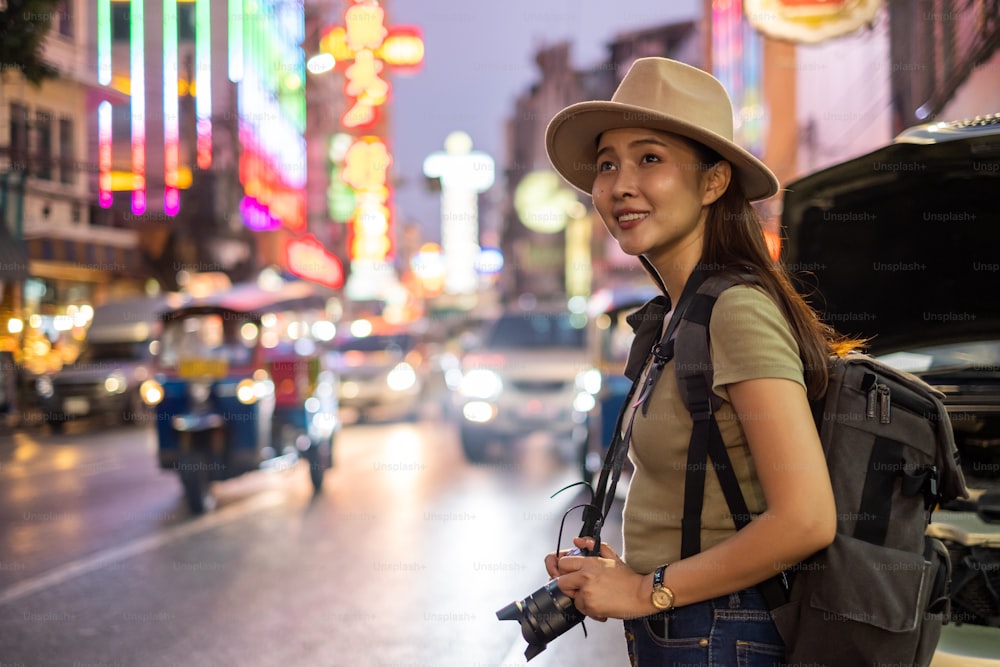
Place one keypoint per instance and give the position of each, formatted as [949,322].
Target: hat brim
[571,142]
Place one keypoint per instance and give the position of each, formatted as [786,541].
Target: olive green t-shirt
[750,339]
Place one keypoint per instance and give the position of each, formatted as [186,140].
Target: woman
[674,190]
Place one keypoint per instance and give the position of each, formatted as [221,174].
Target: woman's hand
[601,586]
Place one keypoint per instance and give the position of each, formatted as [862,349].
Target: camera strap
[637,398]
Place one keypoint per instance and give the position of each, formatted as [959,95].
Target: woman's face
[652,193]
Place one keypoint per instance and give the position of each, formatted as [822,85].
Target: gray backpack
[879,594]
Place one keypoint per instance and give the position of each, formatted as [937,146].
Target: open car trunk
[904,242]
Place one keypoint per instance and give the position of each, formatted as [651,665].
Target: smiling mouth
[631,217]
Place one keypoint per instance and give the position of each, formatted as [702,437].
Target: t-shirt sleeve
[751,339]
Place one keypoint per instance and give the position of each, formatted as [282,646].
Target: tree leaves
[23,27]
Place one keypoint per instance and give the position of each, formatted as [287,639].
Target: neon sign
[137,64]
[203,82]
[368,45]
[307,258]
[269,69]
[104,154]
[171,110]
[364,49]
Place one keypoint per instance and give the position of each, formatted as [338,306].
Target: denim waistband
[744,604]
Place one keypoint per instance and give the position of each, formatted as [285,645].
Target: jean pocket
[756,654]
[654,633]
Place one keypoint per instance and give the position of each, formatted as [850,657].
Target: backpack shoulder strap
[693,366]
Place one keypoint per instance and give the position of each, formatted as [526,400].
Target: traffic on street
[403,558]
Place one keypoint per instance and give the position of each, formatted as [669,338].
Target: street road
[403,559]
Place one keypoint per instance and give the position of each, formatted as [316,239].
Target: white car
[522,378]
[382,375]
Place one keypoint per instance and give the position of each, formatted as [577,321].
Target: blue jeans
[734,630]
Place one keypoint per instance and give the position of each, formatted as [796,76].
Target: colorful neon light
[403,48]
[737,63]
[366,167]
[104,195]
[257,217]
[340,197]
[203,81]
[137,72]
[368,89]
[365,25]
[171,110]
[271,106]
[306,257]
[362,48]
[104,42]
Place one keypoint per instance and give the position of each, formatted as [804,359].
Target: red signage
[307,258]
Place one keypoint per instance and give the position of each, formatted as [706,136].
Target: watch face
[663,598]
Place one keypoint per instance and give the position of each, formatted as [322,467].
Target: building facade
[170,143]
[63,259]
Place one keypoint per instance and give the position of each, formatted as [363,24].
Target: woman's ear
[715,181]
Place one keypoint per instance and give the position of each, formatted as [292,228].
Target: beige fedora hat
[660,94]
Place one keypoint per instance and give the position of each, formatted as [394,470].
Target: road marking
[139,546]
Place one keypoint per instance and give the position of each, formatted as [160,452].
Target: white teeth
[631,216]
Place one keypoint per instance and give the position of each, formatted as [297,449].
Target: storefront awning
[13,256]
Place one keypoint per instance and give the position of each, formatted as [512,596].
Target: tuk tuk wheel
[194,474]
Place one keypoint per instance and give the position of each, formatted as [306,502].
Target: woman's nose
[624,184]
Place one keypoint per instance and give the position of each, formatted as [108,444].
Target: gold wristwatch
[662,597]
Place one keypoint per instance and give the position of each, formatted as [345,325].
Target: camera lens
[543,615]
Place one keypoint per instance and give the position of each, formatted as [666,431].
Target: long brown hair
[734,242]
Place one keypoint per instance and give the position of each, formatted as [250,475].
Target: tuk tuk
[242,382]
[609,338]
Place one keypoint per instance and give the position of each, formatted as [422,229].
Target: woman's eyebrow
[636,143]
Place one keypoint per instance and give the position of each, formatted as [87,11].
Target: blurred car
[114,361]
[522,377]
[382,373]
[900,246]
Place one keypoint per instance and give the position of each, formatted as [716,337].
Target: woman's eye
[649,157]
[605,165]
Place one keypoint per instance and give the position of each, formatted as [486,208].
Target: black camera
[548,612]
[543,615]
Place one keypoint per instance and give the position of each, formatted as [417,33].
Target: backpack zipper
[879,399]
[884,399]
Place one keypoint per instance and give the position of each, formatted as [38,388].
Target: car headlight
[401,377]
[584,402]
[114,383]
[43,386]
[246,392]
[481,383]
[589,381]
[151,392]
